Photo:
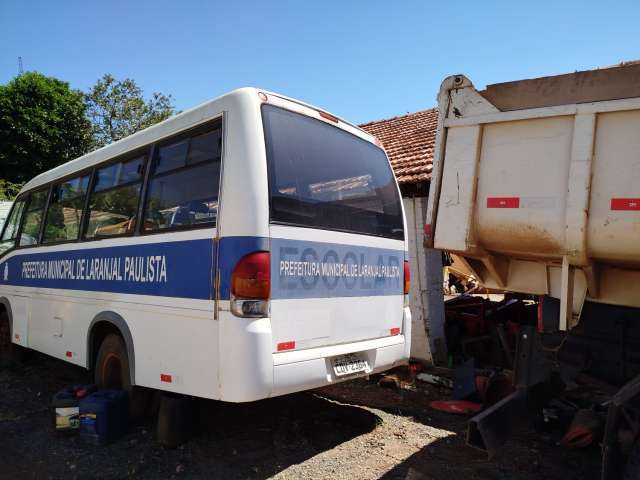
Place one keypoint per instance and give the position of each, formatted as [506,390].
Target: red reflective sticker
[503,202]
[165,378]
[286,346]
[394,331]
[69,354]
[625,204]
[427,229]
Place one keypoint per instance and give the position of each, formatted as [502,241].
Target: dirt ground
[354,430]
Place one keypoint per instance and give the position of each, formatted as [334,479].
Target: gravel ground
[354,430]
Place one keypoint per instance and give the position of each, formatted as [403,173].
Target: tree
[42,125]
[8,190]
[117,108]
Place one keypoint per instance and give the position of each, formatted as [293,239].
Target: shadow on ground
[254,440]
[528,455]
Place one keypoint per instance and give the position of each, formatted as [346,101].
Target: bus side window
[12,226]
[65,210]
[113,203]
[32,222]
[183,190]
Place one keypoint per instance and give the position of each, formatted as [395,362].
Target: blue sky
[361,60]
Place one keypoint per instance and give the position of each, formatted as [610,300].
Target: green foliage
[8,190]
[42,125]
[117,108]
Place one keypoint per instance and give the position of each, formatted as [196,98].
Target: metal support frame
[490,429]
[612,458]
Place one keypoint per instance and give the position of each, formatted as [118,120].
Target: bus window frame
[128,156]
[46,187]
[148,152]
[270,179]
[208,126]
[78,174]
[20,197]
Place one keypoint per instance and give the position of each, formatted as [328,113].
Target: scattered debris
[585,429]
[437,380]
[463,407]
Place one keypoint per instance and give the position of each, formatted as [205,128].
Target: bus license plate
[349,364]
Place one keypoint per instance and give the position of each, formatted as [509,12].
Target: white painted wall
[426,296]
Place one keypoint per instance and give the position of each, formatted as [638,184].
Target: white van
[250,247]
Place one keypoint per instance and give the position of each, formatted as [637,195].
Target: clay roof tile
[409,141]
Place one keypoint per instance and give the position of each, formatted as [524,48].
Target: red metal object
[461,407]
[585,429]
[415,368]
[503,202]
[578,437]
[625,204]
[540,323]
[474,322]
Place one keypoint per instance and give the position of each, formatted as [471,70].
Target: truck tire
[112,371]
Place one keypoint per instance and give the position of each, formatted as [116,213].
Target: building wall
[426,296]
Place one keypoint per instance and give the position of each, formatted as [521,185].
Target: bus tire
[175,420]
[112,371]
[9,351]
[632,466]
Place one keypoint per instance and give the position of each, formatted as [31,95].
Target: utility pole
[20,69]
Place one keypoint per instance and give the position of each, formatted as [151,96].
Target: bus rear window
[323,177]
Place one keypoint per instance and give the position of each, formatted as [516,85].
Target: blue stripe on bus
[181,269]
[303,269]
[185,269]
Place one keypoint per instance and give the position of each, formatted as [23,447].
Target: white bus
[250,247]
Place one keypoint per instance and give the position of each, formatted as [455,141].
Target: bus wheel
[112,371]
[176,420]
[632,467]
[8,350]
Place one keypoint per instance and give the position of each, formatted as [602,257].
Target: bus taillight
[251,285]
[407,278]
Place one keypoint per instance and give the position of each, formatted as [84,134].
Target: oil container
[104,416]
[66,407]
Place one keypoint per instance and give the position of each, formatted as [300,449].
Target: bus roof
[175,124]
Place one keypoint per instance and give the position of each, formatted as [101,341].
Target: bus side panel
[176,350]
[20,319]
[170,316]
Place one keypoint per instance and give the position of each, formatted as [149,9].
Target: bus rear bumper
[313,368]
[246,378]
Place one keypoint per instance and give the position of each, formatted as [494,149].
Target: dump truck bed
[536,185]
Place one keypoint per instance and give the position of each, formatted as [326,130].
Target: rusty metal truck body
[536,187]
[543,197]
